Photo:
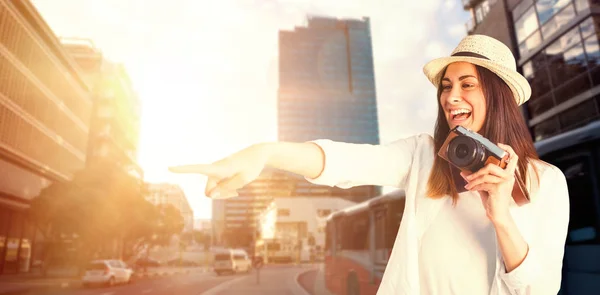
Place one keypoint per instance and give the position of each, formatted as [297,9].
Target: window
[520,8]
[574,87]
[323,212]
[526,25]
[548,8]
[582,5]
[530,43]
[539,105]
[481,11]
[579,115]
[546,128]
[592,50]
[539,81]
[567,65]
[356,231]
[558,21]
[283,212]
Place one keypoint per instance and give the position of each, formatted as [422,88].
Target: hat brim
[517,83]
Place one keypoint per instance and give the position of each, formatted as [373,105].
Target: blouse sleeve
[541,271]
[348,165]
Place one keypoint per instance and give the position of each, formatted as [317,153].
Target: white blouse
[406,164]
[457,254]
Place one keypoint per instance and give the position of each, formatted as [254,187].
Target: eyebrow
[460,78]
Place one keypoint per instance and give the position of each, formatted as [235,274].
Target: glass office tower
[327,90]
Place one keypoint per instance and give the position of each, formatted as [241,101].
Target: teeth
[460,111]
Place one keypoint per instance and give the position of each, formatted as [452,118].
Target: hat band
[469,54]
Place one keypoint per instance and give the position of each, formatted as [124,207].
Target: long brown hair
[503,124]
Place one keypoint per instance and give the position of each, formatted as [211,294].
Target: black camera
[469,151]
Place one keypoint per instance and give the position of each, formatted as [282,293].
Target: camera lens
[463,151]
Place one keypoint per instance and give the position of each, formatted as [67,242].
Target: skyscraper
[327,90]
[327,82]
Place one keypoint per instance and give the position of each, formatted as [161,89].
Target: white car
[107,272]
[231,261]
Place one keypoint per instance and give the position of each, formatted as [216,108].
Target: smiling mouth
[461,117]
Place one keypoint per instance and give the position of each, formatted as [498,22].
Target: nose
[455,95]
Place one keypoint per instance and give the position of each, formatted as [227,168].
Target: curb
[152,274]
[74,283]
[301,290]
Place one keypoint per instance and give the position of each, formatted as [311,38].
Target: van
[231,261]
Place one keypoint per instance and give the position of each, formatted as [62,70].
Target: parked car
[147,262]
[107,272]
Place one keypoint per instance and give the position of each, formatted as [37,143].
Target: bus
[358,243]
[577,154]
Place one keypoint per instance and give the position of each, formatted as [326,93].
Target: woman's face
[462,97]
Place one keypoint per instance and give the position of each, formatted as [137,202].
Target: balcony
[479,12]
[468,4]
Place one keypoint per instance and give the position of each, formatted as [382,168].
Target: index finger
[206,169]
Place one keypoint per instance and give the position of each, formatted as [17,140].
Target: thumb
[231,184]
[211,185]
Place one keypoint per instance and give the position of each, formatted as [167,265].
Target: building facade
[556,45]
[241,214]
[45,110]
[295,227]
[557,48]
[166,193]
[115,121]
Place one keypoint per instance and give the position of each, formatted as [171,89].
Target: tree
[101,207]
[239,237]
[200,237]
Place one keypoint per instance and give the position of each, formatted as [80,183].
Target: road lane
[185,284]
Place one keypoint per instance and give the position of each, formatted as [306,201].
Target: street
[276,280]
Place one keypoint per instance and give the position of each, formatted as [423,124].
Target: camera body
[469,151]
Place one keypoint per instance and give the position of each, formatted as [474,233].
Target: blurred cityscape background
[73,191]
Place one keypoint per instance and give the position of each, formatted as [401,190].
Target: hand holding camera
[487,168]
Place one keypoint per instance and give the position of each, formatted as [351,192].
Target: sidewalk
[21,283]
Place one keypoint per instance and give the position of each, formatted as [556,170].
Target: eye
[468,85]
[446,87]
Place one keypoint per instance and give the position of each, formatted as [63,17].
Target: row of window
[564,69]
[539,20]
[32,54]
[572,118]
[28,96]
[20,135]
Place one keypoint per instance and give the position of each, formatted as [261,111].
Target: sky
[206,71]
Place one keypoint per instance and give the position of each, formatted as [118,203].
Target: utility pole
[298,243]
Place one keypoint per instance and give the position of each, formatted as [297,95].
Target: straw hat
[489,53]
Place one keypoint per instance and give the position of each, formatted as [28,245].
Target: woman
[456,237]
